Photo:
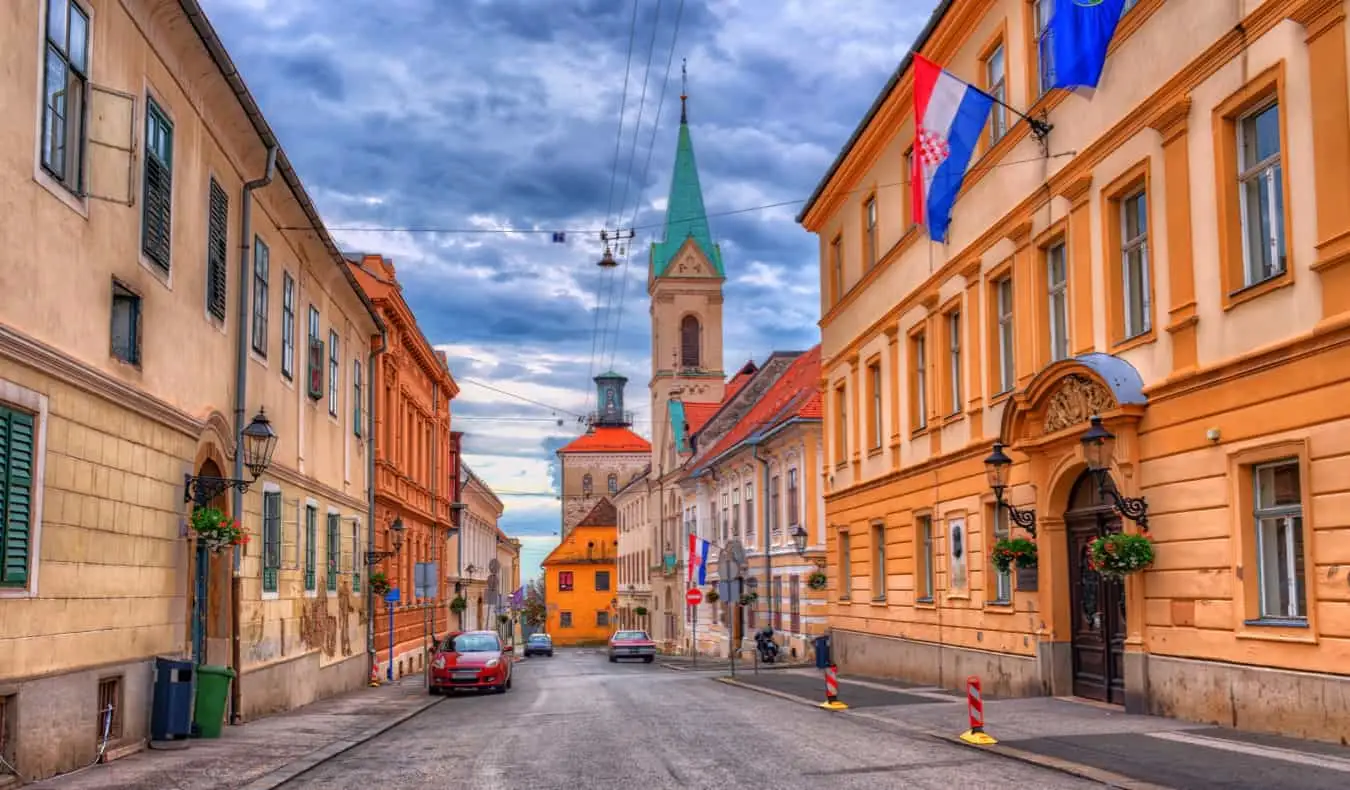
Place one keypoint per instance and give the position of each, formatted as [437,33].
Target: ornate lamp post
[997,467]
[1099,447]
[257,443]
[396,537]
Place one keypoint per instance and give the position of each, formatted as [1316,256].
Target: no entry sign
[694,597]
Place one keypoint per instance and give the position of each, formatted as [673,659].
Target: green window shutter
[217,252]
[157,205]
[271,539]
[311,537]
[334,551]
[17,453]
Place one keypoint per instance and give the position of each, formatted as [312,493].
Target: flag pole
[1039,127]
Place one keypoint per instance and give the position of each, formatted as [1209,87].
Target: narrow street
[576,721]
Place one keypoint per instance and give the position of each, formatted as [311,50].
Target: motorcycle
[766,647]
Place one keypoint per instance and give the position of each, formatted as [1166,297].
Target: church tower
[684,280]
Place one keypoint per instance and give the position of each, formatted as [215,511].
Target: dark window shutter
[316,368]
[157,208]
[689,342]
[17,443]
[217,267]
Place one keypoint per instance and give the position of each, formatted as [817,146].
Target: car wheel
[613,660]
[648,659]
[434,691]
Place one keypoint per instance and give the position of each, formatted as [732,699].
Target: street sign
[694,597]
[391,596]
[425,578]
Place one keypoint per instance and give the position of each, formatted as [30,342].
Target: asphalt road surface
[577,722]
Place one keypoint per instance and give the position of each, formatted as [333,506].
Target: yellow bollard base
[978,738]
[833,705]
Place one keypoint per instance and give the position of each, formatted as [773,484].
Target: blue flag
[1080,32]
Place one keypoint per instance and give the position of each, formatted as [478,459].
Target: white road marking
[1270,752]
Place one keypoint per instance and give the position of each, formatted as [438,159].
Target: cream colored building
[123,325]
[477,553]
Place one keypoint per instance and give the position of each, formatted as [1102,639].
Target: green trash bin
[213,689]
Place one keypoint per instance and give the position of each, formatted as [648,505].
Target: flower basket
[458,605]
[503,619]
[1119,554]
[640,611]
[817,580]
[215,531]
[712,597]
[1013,551]
[379,584]
[749,598]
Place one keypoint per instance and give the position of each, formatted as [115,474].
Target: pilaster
[1172,125]
[1079,246]
[1025,337]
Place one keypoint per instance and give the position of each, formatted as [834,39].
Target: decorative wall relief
[1075,400]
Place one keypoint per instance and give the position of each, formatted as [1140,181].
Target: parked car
[470,660]
[632,644]
[539,645]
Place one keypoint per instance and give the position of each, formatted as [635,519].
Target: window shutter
[217,251]
[334,550]
[16,495]
[316,361]
[271,539]
[158,209]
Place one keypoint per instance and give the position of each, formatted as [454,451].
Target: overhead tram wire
[521,398]
[647,166]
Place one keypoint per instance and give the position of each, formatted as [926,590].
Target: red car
[632,644]
[470,660]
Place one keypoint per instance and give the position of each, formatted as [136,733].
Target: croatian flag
[949,116]
[698,558]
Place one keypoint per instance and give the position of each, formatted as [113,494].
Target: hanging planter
[1119,554]
[640,611]
[817,580]
[749,598]
[379,584]
[215,531]
[1013,551]
[712,597]
[458,605]
[503,619]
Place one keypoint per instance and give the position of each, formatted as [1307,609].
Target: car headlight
[492,663]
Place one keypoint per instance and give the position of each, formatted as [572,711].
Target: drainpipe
[240,401]
[370,497]
[764,528]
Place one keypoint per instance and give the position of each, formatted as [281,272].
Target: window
[157,203]
[311,545]
[840,424]
[262,264]
[602,581]
[749,512]
[333,373]
[726,516]
[925,559]
[287,325]
[690,342]
[878,562]
[217,251]
[777,603]
[126,324]
[1279,540]
[998,518]
[587,485]
[954,361]
[837,268]
[794,604]
[613,484]
[1045,52]
[775,515]
[845,564]
[67,75]
[602,617]
[18,456]
[870,230]
[1003,306]
[315,356]
[735,512]
[564,581]
[109,707]
[1261,195]
[356,397]
[996,80]
[565,619]
[874,416]
[271,528]
[918,395]
[334,547]
[1134,264]
[793,503]
[356,556]
[1057,279]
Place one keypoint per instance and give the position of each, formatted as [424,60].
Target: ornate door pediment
[1066,394]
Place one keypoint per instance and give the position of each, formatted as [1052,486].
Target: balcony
[610,418]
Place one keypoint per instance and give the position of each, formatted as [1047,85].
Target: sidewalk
[1086,739]
[686,663]
[265,753]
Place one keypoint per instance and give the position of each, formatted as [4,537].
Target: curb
[302,765]
[1107,778]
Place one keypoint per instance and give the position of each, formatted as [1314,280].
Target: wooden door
[1097,604]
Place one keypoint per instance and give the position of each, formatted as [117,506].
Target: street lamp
[396,537]
[799,538]
[997,467]
[1099,447]
[257,443]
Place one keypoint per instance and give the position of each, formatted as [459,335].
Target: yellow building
[1170,256]
[579,589]
[132,353]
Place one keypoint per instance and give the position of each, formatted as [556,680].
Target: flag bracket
[1040,127]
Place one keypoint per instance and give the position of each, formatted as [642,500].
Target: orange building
[1169,254]
[415,472]
[579,575]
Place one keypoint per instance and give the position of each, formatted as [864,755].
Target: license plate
[632,650]
[465,675]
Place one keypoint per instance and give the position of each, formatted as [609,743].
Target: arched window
[613,483]
[587,485]
[690,342]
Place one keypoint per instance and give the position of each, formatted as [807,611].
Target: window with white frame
[954,359]
[287,325]
[1003,295]
[1261,194]
[66,66]
[333,367]
[735,512]
[874,386]
[996,80]
[870,229]
[920,382]
[926,559]
[1134,264]
[750,512]
[1278,518]
[1045,52]
[794,499]
[262,266]
[1057,279]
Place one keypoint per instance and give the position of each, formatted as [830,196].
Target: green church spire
[685,215]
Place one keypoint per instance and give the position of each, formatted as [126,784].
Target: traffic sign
[694,597]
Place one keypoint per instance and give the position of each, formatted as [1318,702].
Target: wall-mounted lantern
[1099,448]
[997,467]
[257,443]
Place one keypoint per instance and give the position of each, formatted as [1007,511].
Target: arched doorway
[1096,603]
[211,589]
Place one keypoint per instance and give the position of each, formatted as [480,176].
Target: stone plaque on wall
[1026,579]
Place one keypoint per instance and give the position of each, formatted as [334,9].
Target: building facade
[508,581]
[414,474]
[478,581]
[1172,257]
[149,207]
[579,579]
[603,460]
[637,560]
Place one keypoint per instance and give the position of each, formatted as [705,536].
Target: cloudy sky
[435,131]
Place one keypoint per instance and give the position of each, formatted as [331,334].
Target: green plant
[640,611]
[1013,551]
[749,598]
[215,531]
[458,605]
[1119,554]
[379,583]
[817,580]
[712,596]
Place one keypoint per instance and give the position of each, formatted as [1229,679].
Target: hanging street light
[257,443]
[1099,448]
[799,539]
[997,467]
[395,537]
